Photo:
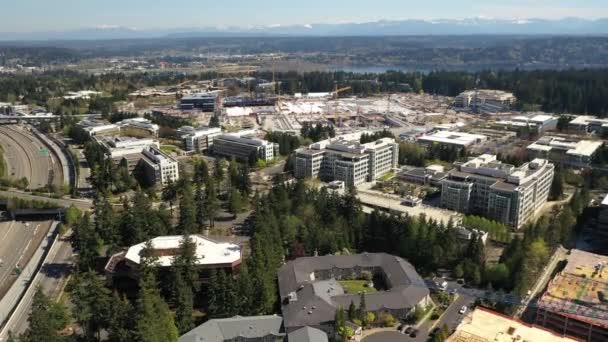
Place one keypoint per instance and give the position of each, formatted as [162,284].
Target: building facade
[347,160]
[485,100]
[200,140]
[241,147]
[502,192]
[566,151]
[158,167]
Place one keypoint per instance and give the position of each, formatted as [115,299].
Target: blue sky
[37,15]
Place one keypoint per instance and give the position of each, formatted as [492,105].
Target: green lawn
[356,286]
[169,148]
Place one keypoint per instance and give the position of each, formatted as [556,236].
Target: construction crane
[335,95]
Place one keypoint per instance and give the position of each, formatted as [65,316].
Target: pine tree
[154,319]
[86,243]
[187,210]
[45,320]
[92,303]
[199,202]
[121,324]
[211,203]
[352,311]
[183,301]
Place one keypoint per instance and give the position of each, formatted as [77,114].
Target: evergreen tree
[86,243]
[213,295]
[183,301]
[170,194]
[211,203]
[187,210]
[45,320]
[154,319]
[199,203]
[121,324]
[91,303]
[235,203]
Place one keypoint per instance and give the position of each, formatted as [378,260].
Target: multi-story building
[538,124]
[202,101]
[566,151]
[588,124]
[159,168]
[574,303]
[451,139]
[200,139]
[311,290]
[130,149]
[347,160]
[97,128]
[485,101]
[503,192]
[138,127]
[244,147]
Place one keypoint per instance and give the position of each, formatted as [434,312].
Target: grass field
[169,148]
[356,286]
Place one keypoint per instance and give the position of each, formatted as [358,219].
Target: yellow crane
[335,95]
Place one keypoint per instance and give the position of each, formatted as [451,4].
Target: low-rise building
[243,146]
[575,303]
[485,100]
[140,127]
[588,124]
[566,151]
[451,139]
[202,101]
[345,158]
[484,325]
[98,128]
[200,139]
[251,329]
[539,123]
[502,192]
[210,255]
[430,175]
[311,291]
[159,168]
[130,149]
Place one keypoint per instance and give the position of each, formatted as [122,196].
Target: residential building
[307,334]
[311,291]
[202,101]
[238,329]
[484,325]
[346,159]
[243,146]
[502,192]
[588,124]
[574,303]
[451,139]
[485,100]
[539,123]
[566,151]
[200,139]
[158,167]
[210,254]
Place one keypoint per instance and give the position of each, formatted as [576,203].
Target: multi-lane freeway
[26,156]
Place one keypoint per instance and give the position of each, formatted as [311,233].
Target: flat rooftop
[208,252]
[454,138]
[570,146]
[483,325]
[580,290]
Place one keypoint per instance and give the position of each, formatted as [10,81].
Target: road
[26,156]
[15,241]
[52,280]
[83,204]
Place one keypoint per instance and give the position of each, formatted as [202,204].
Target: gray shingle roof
[307,334]
[309,307]
[219,330]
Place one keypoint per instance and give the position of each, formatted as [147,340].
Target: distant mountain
[470,26]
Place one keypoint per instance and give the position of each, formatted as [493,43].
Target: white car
[463,310]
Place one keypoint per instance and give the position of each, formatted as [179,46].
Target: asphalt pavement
[83,204]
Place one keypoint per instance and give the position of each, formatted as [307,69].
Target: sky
[60,15]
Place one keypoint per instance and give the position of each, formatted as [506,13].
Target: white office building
[347,160]
[447,139]
[566,151]
[502,192]
[485,100]
[243,146]
[159,168]
[588,124]
[200,139]
[539,123]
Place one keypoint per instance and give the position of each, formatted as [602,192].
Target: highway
[26,156]
[52,280]
[83,204]
[17,239]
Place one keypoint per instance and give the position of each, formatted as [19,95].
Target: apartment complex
[158,166]
[199,139]
[575,301]
[566,151]
[451,139]
[502,192]
[588,124]
[243,146]
[311,292]
[347,160]
[485,100]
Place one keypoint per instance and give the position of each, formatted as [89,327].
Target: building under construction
[576,300]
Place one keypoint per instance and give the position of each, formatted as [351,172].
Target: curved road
[26,156]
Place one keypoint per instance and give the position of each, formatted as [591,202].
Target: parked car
[463,310]
[414,333]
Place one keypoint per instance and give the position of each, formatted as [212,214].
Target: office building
[138,127]
[347,160]
[158,167]
[484,325]
[205,102]
[98,128]
[537,124]
[210,255]
[243,146]
[485,101]
[451,139]
[430,175]
[505,193]
[199,139]
[574,303]
[566,151]
[311,291]
[588,124]
[129,149]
